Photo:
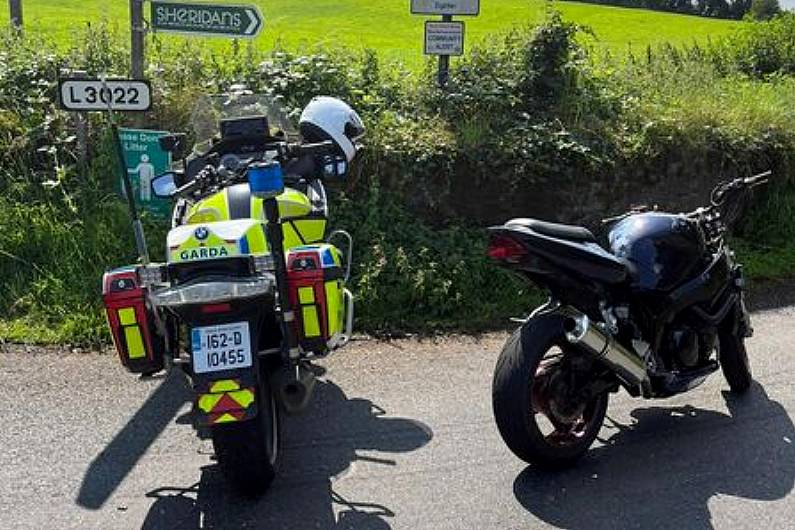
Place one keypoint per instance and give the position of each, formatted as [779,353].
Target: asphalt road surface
[400,436]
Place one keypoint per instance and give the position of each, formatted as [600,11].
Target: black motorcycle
[656,314]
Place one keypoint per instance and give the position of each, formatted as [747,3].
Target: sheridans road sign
[444,38]
[83,95]
[445,7]
[220,20]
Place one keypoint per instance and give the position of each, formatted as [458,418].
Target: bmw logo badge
[201,233]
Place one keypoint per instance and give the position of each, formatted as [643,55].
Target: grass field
[387,25]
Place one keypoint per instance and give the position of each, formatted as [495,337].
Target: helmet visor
[354,128]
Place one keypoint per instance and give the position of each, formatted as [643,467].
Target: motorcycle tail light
[214,309]
[505,249]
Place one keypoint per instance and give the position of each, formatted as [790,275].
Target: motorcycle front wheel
[733,355]
[248,452]
[537,426]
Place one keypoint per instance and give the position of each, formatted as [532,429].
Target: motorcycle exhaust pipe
[629,366]
[294,387]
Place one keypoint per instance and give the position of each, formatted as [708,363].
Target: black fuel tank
[663,250]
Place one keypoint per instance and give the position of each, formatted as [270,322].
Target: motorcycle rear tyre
[512,397]
[248,452]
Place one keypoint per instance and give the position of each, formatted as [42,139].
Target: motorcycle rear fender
[230,399]
[584,260]
[227,396]
[564,285]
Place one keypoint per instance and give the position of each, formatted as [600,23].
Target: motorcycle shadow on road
[324,444]
[107,471]
[662,471]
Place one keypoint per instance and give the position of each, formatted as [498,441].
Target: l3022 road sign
[84,95]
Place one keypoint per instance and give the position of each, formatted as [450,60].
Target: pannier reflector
[306,295]
[127,316]
[135,343]
[225,385]
[310,320]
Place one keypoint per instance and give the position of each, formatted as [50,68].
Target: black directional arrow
[243,21]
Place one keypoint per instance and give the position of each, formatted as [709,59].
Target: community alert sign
[444,38]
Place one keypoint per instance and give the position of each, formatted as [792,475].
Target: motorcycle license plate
[223,347]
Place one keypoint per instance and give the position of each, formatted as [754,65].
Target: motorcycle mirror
[173,143]
[335,167]
[164,185]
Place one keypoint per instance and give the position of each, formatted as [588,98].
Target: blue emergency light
[266,179]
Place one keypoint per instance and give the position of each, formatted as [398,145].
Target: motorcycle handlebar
[720,193]
[758,180]
[198,181]
[187,189]
[287,152]
[718,198]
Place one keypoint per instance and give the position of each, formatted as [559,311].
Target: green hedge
[531,124]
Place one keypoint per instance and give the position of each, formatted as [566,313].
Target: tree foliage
[736,9]
[764,9]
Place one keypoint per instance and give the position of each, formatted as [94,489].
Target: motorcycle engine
[682,348]
[685,347]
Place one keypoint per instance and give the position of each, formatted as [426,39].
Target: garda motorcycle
[656,313]
[253,288]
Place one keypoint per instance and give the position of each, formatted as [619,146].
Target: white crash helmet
[327,118]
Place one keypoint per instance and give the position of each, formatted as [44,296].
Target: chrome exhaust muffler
[629,366]
[294,387]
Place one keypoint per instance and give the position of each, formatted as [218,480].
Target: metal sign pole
[137,42]
[15,9]
[444,60]
[81,124]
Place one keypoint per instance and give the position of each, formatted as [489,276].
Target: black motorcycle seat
[579,253]
[560,231]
